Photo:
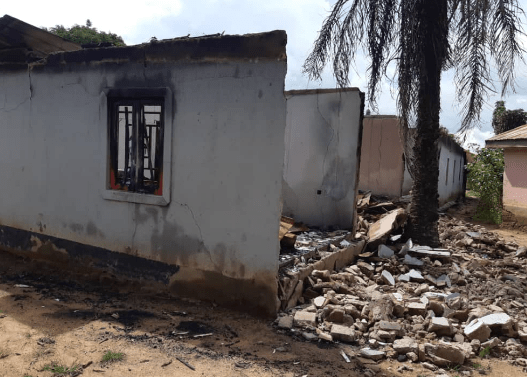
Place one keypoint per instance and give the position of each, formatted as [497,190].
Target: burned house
[514,144]
[384,171]
[158,162]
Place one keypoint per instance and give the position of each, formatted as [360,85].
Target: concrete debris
[343,333]
[372,354]
[387,278]
[385,252]
[477,330]
[285,322]
[435,306]
[305,318]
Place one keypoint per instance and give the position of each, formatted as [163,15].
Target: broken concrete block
[412,356]
[474,235]
[404,278]
[415,276]
[391,326]
[501,321]
[416,308]
[405,345]
[444,354]
[325,336]
[444,280]
[411,261]
[437,307]
[285,322]
[368,353]
[407,246]
[386,336]
[366,268]
[336,315]
[521,252]
[381,310]
[387,278]
[385,252]
[441,326]
[422,251]
[422,289]
[343,333]
[429,366]
[320,302]
[477,330]
[304,318]
[383,227]
[494,342]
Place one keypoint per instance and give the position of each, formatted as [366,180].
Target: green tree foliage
[505,120]
[86,34]
[485,177]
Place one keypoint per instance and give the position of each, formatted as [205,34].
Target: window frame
[163,96]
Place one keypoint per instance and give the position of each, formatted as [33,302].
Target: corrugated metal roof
[518,133]
[20,38]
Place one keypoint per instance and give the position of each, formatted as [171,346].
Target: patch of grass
[472,194]
[60,370]
[454,368]
[110,357]
[477,366]
[484,352]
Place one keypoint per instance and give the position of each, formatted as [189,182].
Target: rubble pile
[439,307]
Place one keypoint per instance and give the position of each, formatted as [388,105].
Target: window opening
[136,145]
[447,166]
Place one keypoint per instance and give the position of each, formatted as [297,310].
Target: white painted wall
[451,170]
[449,189]
[322,156]
[228,122]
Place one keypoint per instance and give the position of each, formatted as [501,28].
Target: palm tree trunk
[433,30]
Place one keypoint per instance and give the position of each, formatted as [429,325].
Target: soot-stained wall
[215,230]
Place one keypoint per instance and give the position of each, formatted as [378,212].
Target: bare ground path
[47,319]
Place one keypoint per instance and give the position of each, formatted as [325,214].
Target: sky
[138,21]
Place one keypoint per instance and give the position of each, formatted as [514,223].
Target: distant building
[383,169]
[514,144]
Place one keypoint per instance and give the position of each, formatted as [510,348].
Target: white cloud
[478,137]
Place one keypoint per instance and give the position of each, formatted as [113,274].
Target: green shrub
[485,178]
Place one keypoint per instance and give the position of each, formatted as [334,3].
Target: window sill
[133,197]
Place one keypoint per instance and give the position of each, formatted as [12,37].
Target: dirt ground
[48,319]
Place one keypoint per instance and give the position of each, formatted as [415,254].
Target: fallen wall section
[323,141]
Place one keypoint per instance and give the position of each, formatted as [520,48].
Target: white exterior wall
[227,144]
[322,156]
[451,170]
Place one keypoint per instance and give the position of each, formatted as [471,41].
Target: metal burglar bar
[136,145]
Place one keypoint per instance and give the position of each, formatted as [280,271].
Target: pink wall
[515,182]
[381,165]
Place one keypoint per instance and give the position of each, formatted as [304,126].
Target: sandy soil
[56,320]
[47,318]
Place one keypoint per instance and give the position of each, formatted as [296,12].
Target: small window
[136,145]
[454,171]
[447,166]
